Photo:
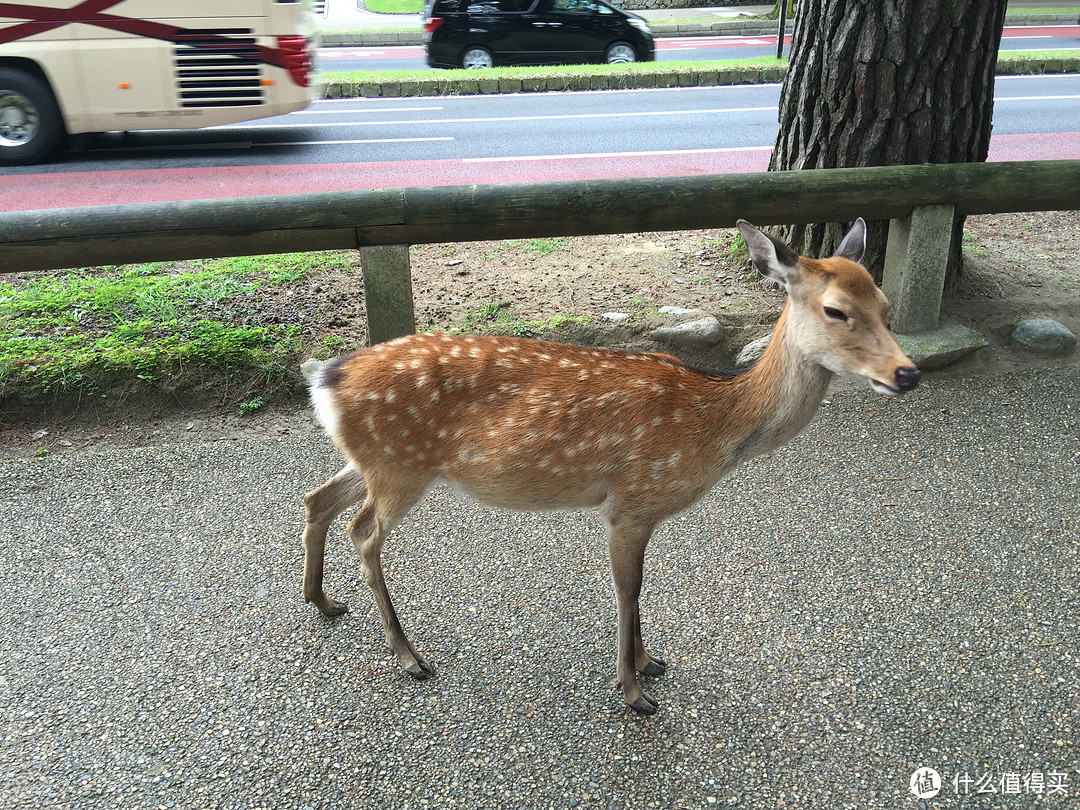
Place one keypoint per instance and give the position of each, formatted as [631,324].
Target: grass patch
[395,6]
[1016,56]
[497,319]
[545,71]
[1015,12]
[87,329]
[540,246]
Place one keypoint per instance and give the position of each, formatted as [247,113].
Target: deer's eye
[835,313]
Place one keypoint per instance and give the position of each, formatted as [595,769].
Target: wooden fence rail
[80,237]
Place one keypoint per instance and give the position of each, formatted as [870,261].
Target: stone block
[936,348]
[388,298]
[916,257]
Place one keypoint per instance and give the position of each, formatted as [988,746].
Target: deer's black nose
[907,379]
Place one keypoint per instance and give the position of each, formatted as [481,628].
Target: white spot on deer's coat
[415,364]
[391,395]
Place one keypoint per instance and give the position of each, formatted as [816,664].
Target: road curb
[603,77]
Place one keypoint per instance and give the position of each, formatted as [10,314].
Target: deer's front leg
[626,549]
[321,506]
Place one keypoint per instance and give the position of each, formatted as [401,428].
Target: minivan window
[504,6]
[583,6]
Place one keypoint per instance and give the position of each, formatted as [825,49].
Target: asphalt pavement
[895,590]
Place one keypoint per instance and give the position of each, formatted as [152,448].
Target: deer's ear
[854,244]
[772,258]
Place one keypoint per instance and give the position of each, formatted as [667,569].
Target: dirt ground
[1017,266]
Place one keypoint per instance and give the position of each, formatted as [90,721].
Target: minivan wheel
[476,57]
[620,53]
[30,124]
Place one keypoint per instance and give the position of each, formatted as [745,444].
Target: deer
[527,424]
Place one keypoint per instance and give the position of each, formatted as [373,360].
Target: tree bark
[883,82]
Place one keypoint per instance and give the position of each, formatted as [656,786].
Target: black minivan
[483,33]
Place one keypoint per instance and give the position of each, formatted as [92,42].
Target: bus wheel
[30,124]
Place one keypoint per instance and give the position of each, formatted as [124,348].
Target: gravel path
[895,589]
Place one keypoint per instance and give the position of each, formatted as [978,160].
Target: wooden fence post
[388,298]
[916,257]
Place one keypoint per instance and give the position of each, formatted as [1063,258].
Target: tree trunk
[882,82]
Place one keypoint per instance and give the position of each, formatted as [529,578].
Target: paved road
[384,143]
[896,589]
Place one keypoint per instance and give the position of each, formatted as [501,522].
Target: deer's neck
[780,394]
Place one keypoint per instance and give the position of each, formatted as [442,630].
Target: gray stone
[615,316]
[679,311]
[915,262]
[1045,336]
[949,343]
[752,351]
[702,332]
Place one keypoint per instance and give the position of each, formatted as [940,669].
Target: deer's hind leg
[388,501]
[626,549]
[321,506]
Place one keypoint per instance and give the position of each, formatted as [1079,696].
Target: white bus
[74,66]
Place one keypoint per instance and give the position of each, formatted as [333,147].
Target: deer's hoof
[421,670]
[654,668]
[330,607]
[644,705]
